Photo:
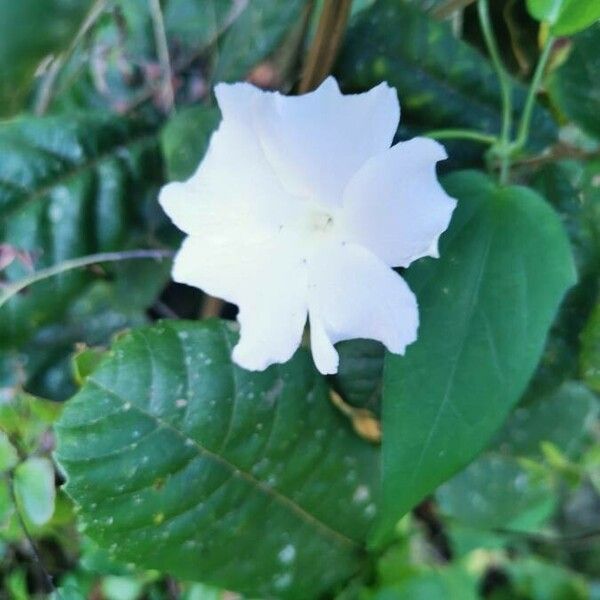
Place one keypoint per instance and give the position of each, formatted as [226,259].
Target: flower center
[320,221]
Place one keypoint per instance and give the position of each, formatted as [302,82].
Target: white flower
[301,208]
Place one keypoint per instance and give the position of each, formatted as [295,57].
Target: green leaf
[564,418]
[496,492]
[34,489]
[575,86]
[43,367]
[565,16]
[8,454]
[254,35]
[84,362]
[441,80]
[176,456]
[540,580]
[185,137]
[360,375]
[449,583]
[27,419]
[197,23]
[27,36]
[485,308]
[569,186]
[69,186]
[590,351]
[121,588]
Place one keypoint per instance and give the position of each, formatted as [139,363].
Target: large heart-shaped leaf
[181,461]
[69,186]
[485,306]
[441,80]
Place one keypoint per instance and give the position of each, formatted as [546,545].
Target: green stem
[505,86]
[461,134]
[9,290]
[525,122]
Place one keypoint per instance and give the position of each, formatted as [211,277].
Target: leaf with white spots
[182,461]
[69,186]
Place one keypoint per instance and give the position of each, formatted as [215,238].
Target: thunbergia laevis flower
[300,208]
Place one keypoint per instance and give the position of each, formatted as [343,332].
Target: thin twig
[7,291]
[557,153]
[327,42]
[162,48]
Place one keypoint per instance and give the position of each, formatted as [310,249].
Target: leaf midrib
[35,194]
[450,384]
[277,496]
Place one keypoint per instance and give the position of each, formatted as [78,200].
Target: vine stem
[505,86]
[7,291]
[540,68]
[36,555]
[461,134]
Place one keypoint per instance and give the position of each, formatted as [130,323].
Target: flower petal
[317,141]
[234,183]
[265,278]
[395,205]
[353,294]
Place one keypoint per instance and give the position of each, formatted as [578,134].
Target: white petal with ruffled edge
[353,294]
[235,186]
[317,141]
[265,278]
[300,207]
[395,206]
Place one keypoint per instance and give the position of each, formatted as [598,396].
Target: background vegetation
[105,101]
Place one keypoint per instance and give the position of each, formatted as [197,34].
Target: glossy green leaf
[590,351]
[69,186]
[441,80]
[565,16]
[185,138]
[27,36]
[43,367]
[485,308]
[254,34]
[496,492]
[575,86]
[181,461]
[34,489]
